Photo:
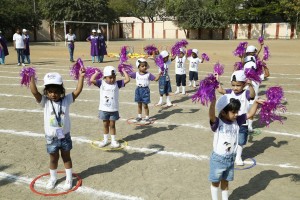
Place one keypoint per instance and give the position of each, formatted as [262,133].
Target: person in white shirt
[19,45]
[193,67]
[70,39]
[180,71]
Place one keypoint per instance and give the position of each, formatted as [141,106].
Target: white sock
[69,174]
[214,192]
[139,115]
[113,137]
[53,174]
[168,100]
[177,89]
[239,152]
[105,137]
[183,89]
[147,117]
[224,194]
[250,121]
[160,100]
[194,83]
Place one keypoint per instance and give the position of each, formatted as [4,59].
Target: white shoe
[23,65]
[177,92]
[103,143]
[115,144]
[250,129]
[190,84]
[239,162]
[169,104]
[51,184]
[19,64]
[159,103]
[68,185]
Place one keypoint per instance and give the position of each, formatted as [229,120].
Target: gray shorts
[104,115]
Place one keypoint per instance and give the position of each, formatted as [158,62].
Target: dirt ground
[166,160]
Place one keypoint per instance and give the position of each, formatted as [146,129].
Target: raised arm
[251,89]
[254,107]
[220,89]
[37,95]
[127,78]
[261,45]
[79,87]
[211,111]
[93,78]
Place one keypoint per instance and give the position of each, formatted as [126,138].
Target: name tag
[60,133]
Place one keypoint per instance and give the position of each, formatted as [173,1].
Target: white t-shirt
[194,64]
[50,122]
[166,67]
[180,65]
[19,41]
[70,38]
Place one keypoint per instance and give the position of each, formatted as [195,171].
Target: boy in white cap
[238,91]
[180,71]
[94,41]
[26,52]
[226,132]
[142,91]
[164,83]
[109,102]
[57,122]
[193,67]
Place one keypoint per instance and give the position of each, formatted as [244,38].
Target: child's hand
[216,76]
[260,101]
[82,71]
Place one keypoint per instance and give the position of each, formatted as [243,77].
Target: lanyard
[58,118]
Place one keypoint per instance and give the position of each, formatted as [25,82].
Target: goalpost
[81,22]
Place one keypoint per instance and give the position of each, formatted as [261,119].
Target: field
[166,160]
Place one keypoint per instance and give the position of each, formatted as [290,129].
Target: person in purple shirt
[242,90]
[26,52]
[3,49]
[226,127]
[93,39]
[102,46]
[142,91]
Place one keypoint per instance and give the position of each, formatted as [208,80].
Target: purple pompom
[261,40]
[219,68]
[271,109]
[252,75]
[75,69]
[126,67]
[89,72]
[26,74]
[266,53]
[123,54]
[159,61]
[189,52]
[206,91]
[175,49]
[240,49]
[150,49]
[205,57]
[238,66]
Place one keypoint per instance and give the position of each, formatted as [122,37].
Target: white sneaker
[103,143]
[68,185]
[51,184]
[23,65]
[239,162]
[19,64]
[190,84]
[177,92]
[114,144]
[169,104]
[159,103]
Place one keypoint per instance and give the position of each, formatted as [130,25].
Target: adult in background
[19,45]
[70,39]
[26,52]
[102,45]
[3,49]
[93,39]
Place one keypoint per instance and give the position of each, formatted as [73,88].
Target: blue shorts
[164,85]
[64,144]
[142,95]
[104,115]
[193,76]
[243,135]
[221,167]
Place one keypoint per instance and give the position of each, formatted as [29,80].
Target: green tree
[291,8]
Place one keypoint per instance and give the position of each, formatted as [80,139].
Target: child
[109,102]
[226,129]
[164,80]
[142,91]
[26,50]
[57,122]
[102,46]
[193,67]
[237,91]
[180,71]
[70,39]
[93,39]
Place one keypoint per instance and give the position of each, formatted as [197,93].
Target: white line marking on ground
[165,153]
[82,189]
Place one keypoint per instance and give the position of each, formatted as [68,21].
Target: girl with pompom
[238,91]
[109,102]
[180,70]
[142,91]
[225,127]
[57,122]
[193,67]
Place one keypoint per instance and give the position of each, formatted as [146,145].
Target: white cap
[182,50]
[24,30]
[98,31]
[164,53]
[140,60]
[239,76]
[222,102]
[52,78]
[251,49]
[250,65]
[93,31]
[195,51]
[249,58]
[109,70]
